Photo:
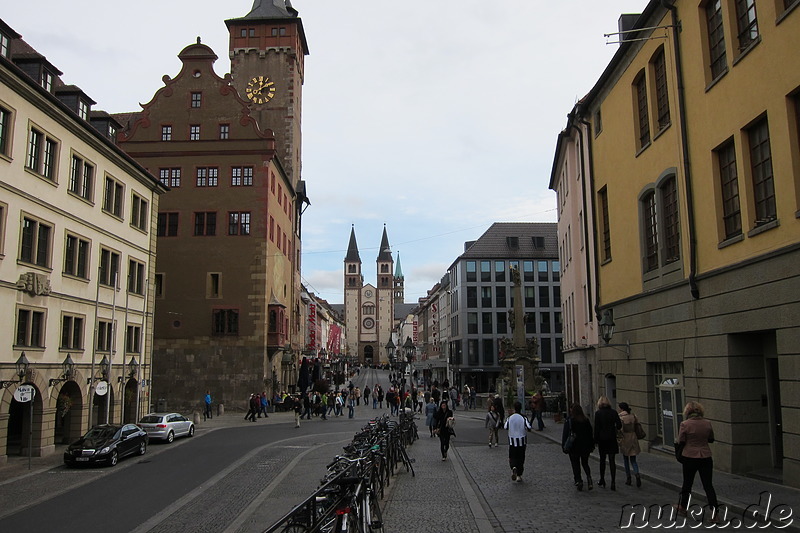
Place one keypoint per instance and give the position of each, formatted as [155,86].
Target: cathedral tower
[267,50]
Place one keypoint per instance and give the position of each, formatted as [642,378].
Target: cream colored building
[77,248]
[694,175]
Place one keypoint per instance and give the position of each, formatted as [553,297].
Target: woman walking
[582,444]
[430,410]
[441,428]
[629,445]
[606,424]
[695,434]
[493,422]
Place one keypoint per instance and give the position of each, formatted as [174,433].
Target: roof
[398,271]
[352,248]
[499,241]
[385,253]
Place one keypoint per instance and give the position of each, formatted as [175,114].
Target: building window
[502,324]
[47,80]
[247,176]
[662,96]
[166,133]
[83,109]
[472,323]
[530,297]
[112,197]
[81,178]
[650,231]
[105,336]
[226,322]
[171,177]
[542,269]
[30,328]
[486,271]
[746,22]
[527,271]
[197,99]
[716,38]
[486,323]
[241,176]
[544,296]
[3,214]
[109,268]
[214,285]
[5,131]
[598,123]
[76,257]
[729,189]
[472,297]
[71,332]
[194,132]
[207,177]
[761,168]
[136,275]
[35,242]
[471,271]
[500,296]
[669,199]
[205,224]
[643,117]
[139,212]
[133,339]
[499,270]
[486,296]
[368,310]
[4,45]
[158,285]
[167,225]
[42,153]
[239,223]
[224,131]
[605,227]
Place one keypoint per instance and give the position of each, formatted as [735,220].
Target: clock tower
[267,51]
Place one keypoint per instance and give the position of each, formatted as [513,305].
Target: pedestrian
[493,422]
[339,404]
[375,397]
[306,407]
[695,435]
[537,408]
[443,428]
[454,396]
[436,394]
[606,425]
[498,406]
[252,408]
[263,407]
[473,397]
[430,410]
[351,405]
[358,396]
[629,445]
[465,396]
[380,396]
[366,395]
[420,403]
[582,446]
[517,426]
[297,406]
[207,415]
[390,400]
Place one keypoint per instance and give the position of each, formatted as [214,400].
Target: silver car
[166,426]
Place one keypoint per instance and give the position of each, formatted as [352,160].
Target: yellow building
[694,176]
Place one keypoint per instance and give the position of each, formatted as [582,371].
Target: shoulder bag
[638,429]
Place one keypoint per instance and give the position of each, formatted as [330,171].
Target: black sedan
[107,443]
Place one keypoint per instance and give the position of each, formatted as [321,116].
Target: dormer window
[512,242]
[47,81]
[112,131]
[4,45]
[83,110]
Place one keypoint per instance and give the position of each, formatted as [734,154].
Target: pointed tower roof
[385,253]
[352,248]
[269,9]
[398,270]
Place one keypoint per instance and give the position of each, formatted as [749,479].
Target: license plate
[81,458]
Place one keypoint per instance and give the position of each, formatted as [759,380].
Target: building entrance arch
[369,354]
[24,425]
[69,407]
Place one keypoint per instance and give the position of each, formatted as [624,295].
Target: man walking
[207,412]
[517,426]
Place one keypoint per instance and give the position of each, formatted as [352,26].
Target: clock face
[368,293]
[260,89]
[369,323]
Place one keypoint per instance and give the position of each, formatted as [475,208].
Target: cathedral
[371,310]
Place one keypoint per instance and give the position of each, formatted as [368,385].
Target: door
[670,408]
[774,406]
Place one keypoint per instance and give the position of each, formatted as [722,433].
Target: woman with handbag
[577,440]
[441,427]
[629,445]
[606,424]
[695,434]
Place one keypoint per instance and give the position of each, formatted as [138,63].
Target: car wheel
[170,437]
[191,431]
[142,448]
[114,458]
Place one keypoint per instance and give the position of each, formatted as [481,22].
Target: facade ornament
[34,284]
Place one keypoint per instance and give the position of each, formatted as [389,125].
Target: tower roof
[398,270]
[270,9]
[352,248]
[385,253]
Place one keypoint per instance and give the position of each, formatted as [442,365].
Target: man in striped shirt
[517,426]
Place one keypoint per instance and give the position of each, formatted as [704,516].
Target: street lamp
[104,368]
[390,347]
[133,367]
[22,369]
[607,325]
[68,366]
[408,349]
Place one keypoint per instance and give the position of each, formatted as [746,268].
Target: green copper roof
[398,270]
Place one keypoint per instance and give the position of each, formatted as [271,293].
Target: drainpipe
[687,173]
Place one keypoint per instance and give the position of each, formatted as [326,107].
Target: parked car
[167,426]
[107,443]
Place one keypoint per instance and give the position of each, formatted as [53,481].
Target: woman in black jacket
[606,424]
[582,445]
[440,427]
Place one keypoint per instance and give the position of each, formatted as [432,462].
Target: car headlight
[105,450]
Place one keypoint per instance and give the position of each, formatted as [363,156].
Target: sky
[435,118]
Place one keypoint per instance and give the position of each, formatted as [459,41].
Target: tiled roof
[499,241]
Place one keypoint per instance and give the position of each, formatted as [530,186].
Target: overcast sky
[434,117]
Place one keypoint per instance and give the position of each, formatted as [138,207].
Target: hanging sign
[101,388]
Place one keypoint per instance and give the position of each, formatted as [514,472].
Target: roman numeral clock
[260,89]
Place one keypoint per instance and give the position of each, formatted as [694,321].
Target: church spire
[385,253]
[352,248]
[398,270]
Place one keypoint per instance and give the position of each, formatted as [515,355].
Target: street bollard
[196,417]
[220,409]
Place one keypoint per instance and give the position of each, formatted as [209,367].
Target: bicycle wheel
[295,528]
[373,513]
